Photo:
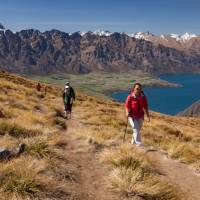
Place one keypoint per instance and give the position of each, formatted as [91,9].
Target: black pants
[68,107]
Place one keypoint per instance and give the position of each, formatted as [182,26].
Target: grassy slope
[36,120]
[177,136]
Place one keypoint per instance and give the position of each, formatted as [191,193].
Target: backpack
[67,95]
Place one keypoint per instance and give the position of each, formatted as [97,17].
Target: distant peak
[102,32]
[187,36]
[141,35]
[184,37]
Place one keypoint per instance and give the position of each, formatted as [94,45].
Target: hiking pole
[125,130]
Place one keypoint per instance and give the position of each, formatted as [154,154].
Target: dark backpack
[67,95]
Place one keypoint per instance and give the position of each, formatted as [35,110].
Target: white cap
[67,83]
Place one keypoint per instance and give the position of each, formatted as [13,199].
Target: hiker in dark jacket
[68,98]
[136,106]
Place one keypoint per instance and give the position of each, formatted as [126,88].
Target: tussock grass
[20,178]
[60,123]
[179,141]
[184,152]
[132,175]
[39,149]
[6,113]
[58,140]
[16,130]
[39,123]
[8,142]
[28,120]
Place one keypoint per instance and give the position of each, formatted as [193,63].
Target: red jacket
[135,105]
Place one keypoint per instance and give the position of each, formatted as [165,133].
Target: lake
[170,100]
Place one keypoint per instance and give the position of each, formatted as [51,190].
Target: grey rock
[8,154]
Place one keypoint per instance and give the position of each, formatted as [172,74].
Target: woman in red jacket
[136,105]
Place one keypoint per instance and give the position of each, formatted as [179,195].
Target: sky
[155,16]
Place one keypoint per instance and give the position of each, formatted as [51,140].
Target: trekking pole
[125,130]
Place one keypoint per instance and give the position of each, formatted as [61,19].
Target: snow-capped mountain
[97,32]
[184,37]
[146,35]
[102,33]
[149,36]
[56,50]
[141,35]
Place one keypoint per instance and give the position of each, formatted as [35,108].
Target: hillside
[85,158]
[192,111]
[55,51]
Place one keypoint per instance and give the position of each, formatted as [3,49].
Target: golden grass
[106,123]
[20,177]
[37,120]
[178,139]
[132,175]
[30,117]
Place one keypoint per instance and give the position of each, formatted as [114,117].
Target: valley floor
[98,83]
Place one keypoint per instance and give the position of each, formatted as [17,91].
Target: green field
[103,83]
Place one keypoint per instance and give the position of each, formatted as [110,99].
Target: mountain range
[32,51]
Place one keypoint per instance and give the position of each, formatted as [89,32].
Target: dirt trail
[91,176]
[92,183]
[179,174]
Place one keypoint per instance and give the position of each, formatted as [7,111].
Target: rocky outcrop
[55,51]
[192,111]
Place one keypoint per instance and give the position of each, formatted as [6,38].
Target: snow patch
[141,35]
[102,33]
[183,38]
[187,36]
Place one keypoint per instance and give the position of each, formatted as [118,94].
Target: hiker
[136,105]
[38,87]
[68,98]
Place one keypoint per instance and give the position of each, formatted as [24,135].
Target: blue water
[170,100]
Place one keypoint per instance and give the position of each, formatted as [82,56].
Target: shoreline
[153,85]
[104,83]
